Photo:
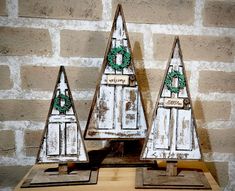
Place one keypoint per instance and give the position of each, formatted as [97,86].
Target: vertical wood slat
[130,97]
[105,107]
[62,138]
[53,139]
[184,130]
[118,107]
[161,125]
[141,117]
[71,139]
[183,92]
[165,91]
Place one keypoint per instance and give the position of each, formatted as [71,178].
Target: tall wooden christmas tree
[172,135]
[117,108]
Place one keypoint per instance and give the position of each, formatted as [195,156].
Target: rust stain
[130,116]
[92,133]
[128,105]
[132,95]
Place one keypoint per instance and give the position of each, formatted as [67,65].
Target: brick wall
[37,36]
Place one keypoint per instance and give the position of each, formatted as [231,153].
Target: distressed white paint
[173,131]
[72,141]
[53,139]
[62,140]
[184,130]
[105,103]
[161,126]
[129,108]
[118,110]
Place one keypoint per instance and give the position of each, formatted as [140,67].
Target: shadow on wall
[142,79]
[206,147]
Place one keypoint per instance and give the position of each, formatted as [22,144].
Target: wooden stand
[120,179]
[61,176]
[170,178]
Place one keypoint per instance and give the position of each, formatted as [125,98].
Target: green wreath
[126,59]
[65,107]
[181,80]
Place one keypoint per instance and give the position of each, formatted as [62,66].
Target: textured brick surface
[37,78]
[83,109]
[217,140]
[3,10]
[208,48]
[149,79]
[209,111]
[219,13]
[71,9]
[216,81]
[10,176]
[83,43]
[32,140]
[7,143]
[93,44]
[35,110]
[24,41]
[219,171]
[157,11]
[6,82]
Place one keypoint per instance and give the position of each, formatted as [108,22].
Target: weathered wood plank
[53,139]
[184,130]
[118,107]
[71,139]
[183,92]
[130,97]
[105,107]
[161,126]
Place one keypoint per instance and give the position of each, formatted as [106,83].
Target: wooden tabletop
[119,179]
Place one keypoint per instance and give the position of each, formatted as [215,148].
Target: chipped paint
[117,110]
[173,132]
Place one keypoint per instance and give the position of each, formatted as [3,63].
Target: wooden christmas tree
[117,108]
[172,135]
[62,138]
[62,143]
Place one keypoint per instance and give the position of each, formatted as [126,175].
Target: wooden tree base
[44,177]
[148,178]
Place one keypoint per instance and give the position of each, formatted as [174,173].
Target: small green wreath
[126,59]
[67,105]
[181,80]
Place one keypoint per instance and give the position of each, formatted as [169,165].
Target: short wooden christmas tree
[62,143]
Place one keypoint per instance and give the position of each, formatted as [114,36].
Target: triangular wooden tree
[117,110]
[173,135]
[62,139]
